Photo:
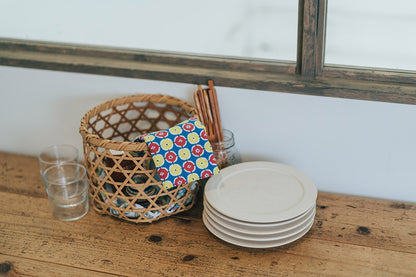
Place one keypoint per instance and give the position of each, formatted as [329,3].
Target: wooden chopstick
[215,111]
[211,123]
[198,107]
[203,112]
[206,103]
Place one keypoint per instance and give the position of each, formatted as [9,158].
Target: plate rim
[211,195]
[257,237]
[250,244]
[243,227]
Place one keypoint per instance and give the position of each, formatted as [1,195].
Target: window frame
[307,75]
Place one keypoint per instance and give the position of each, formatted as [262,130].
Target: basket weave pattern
[123,181]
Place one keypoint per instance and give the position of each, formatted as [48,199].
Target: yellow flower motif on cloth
[175,130]
[208,146]
[193,177]
[184,153]
[193,138]
[149,138]
[166,144]
[199,124]
[167,184]
[175,169]
[216,170]
[201,163]
[159,160]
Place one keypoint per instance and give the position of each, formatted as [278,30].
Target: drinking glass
[57,154]
[67,188]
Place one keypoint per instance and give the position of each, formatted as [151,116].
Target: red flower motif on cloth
[162,134]
[180,141]
[189,166]
[206,173]
[212,159]
[203,134]
[182,153]
[171,157]
[197,150]
[179,181]
[188,127]
[163,173]
[154,147]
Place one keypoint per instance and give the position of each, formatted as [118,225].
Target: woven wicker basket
[123,181]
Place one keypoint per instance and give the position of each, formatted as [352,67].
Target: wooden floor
[351,236]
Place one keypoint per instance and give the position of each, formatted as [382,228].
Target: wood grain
[351,236]
[16,266]
[364,221]
[15,178]
[369,74]
[175,246]
[309,37]
[241,73]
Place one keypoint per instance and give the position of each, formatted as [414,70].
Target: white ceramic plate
[251,243]
[261,192]
[252,228]
[258,236]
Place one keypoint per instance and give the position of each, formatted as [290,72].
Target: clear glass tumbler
[57,154]
[225,151]
[67,188]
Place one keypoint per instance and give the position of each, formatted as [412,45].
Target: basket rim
[127,146]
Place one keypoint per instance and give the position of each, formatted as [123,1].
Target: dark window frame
[308,75]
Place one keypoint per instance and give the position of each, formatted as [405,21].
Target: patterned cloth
[182,153]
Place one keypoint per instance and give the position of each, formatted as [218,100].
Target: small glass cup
[225,151]
[57,154]
[67,189]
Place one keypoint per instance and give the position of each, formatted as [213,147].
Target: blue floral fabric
[182,153]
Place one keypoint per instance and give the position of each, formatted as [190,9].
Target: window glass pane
[250,28]
[372,33]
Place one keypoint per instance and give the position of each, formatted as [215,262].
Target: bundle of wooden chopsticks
[206,103]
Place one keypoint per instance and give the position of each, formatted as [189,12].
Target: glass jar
[225,151]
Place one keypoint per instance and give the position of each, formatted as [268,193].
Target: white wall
[346,146]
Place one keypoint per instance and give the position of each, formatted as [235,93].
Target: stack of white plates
[259,204]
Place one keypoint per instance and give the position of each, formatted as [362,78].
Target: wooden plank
[154,57]
[368,222]
[351,236]
[176,246]
[248,74]
[320,37]
[310,29]
[16,266]
[299,45]
[21,174]
[369,74]
[348,219]
[312,25]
